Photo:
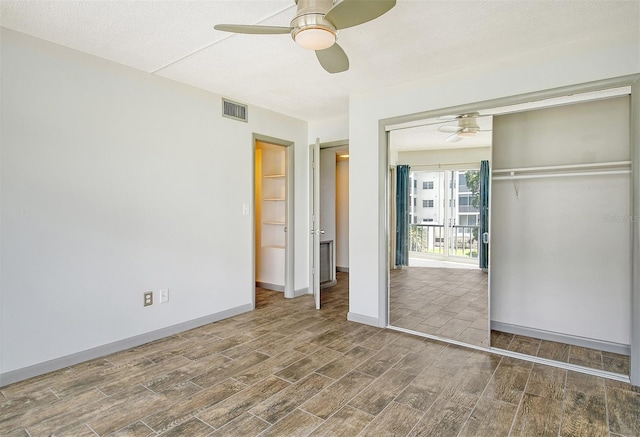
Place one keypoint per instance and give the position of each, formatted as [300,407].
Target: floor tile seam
[366,387]
[521,401]
[92,430]
[606,409]
[145,424]
[388,406]
[284,417]
[480,397]
[291,385]
[564,396]
[348,401]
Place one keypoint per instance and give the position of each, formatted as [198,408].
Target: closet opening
[273,218]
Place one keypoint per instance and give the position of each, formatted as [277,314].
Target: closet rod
[564,167]
[559,175]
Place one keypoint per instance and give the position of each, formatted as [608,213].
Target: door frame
[632,80]
[314,213]
[289,255]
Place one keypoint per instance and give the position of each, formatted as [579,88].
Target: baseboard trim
[342,269]
[606,346]
[328,284]
[366,320]
[301,292]
[10,377]
[267,286]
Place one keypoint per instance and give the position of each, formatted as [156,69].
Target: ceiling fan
[316,24]
[466,126]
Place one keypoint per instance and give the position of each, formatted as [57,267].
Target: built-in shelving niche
[271,212]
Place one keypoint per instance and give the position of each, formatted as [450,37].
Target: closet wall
[561,245]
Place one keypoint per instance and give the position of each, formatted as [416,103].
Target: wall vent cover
[234,110]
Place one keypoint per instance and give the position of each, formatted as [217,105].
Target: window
[427,203]
[427,185]
[415,202]
[415,184]
[468,220]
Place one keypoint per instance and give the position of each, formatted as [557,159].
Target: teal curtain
[402,215]
[484,215]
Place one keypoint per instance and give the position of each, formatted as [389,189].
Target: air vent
[234,110]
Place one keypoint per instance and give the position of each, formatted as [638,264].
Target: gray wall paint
[115,182]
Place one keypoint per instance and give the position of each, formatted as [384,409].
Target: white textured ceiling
[417,38]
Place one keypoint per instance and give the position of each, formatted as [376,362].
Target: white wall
[443,158]
[569,64]
[335,129]
[328,195]
[560,250]
[115,182]
[342,213]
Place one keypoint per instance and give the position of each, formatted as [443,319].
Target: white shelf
[274,199]
[274,246]
[273,222]
[273,176]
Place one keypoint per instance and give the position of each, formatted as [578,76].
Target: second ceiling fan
[467,126]
[316,24]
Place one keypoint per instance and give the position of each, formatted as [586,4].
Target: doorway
[329,213]
[273,211]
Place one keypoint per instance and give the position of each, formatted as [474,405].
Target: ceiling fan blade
[252,29]
[333,59]
[453,138]
[449,128]
[348,13]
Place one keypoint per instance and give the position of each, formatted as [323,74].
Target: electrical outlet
[148,298]
[164,295]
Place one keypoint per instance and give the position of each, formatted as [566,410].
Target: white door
[314,263]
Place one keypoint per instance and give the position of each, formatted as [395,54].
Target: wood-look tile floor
[286,369]
[449,303]
[582,356]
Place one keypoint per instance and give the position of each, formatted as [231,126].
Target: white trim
[635,231]
[268,286]
[524,357]
[117,346]
[366,320]
[289,255]
[301,292]
[623,349]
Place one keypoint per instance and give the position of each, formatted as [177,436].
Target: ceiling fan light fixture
[315,38]
[467,132]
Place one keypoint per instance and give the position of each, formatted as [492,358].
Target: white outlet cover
[164,295]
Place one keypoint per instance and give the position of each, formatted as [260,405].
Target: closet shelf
[274,199]
[273,222]
[273,176]
[274,246]
[594,169]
